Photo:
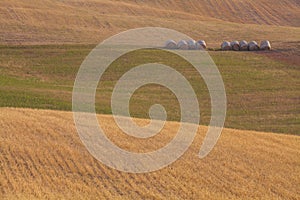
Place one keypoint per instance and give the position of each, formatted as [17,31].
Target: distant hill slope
[41,157]
[272,12]
[90,21]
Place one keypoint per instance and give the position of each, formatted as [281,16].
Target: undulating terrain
[44,42]
[80,21]
[41,156]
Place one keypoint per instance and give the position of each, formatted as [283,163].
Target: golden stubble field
[42,157]
[38,22]
[81,21]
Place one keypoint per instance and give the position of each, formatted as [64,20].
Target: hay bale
[253,46]
[171,44]
[265,45]
[226,46]
[201,44]
[192,44]
[183,45]
[235,45]
[243,45]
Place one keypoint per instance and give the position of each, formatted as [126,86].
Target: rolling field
[262,92]
[89,22]
[44,42]
[41,156]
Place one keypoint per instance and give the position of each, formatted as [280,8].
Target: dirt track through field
[41,156]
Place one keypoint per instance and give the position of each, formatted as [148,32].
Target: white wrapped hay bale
[183,45]
[253,46]
[171,44]
[192,44]
[201,44]
[226,46]
[235,45]
[243,45]
[265,45]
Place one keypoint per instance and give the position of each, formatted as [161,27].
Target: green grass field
[262,93]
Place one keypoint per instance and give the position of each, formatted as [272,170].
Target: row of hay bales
[245,46]
[225,46]
[186,45]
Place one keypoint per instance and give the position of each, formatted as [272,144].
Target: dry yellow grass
[41,157]
[81,21]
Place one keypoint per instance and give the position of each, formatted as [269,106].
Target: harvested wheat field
[42,157]
[91,21]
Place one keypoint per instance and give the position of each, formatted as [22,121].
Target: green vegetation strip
[263,94]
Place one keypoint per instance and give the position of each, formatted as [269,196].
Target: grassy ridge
[262,92]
